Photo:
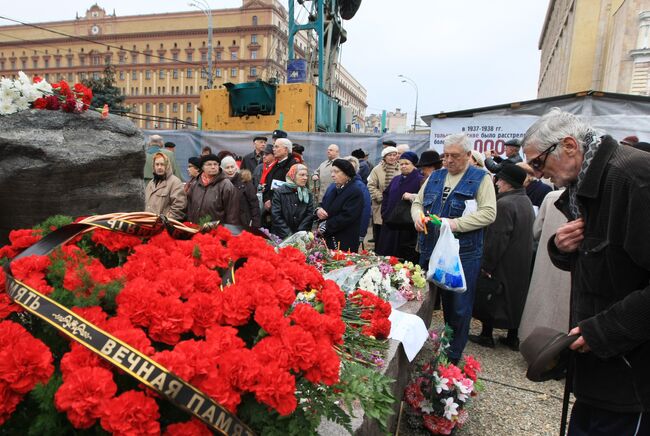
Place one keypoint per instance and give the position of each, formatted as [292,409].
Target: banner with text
[486,133]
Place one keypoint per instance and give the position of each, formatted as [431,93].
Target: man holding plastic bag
[464,198]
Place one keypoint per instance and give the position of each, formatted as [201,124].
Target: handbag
[400,217]
[489,302]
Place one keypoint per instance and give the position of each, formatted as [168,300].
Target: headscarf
[302,191]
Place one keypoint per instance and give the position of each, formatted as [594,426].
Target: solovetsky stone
[52,162]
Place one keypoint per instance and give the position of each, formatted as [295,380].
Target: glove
[322,227]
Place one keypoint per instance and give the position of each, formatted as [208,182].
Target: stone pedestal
[52,162]
[397,367]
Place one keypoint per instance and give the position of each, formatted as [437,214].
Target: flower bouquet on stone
[436,399]
[24,93]
[265,339]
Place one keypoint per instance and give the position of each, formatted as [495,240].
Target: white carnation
[7,107]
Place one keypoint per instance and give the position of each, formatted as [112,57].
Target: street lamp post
[204,7]
[412,82]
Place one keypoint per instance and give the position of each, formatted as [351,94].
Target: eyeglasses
[538,163]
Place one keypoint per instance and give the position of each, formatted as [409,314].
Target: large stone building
[161,59]
[601,45]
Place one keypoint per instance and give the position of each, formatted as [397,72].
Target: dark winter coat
[249,207]
[610,274]
[536,191]
[251,161]
[278,172]
[344,217]
[508,251]
[398,242]
[218,200]
[290,215]
[366,214]
[364,170]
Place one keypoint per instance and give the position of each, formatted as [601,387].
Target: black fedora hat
[547,353]
[429,158]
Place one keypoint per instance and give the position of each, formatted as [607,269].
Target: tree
[105,91]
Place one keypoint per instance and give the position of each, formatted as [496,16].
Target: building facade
[161,59]
[601,45]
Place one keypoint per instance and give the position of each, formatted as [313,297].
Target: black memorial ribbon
[118,353]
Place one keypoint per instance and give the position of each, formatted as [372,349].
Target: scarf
[157,179]
[302,191]
[206,180]
[265,172]
[590,147]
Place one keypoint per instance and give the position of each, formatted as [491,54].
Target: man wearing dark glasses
[606,246]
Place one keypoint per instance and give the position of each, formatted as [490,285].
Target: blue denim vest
[471,243]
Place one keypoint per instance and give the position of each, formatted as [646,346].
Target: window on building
[164,90]
[82,61]
[253,71]
[134,58]
[253,39]
[161,74]
[188,74]
[134,75]
[161,60]
[96,75]
[189,57]
[147,59]
[147,74]
[175,73]
[253,54]
[233,55]
[70,77]
[69,62]
[82,76]
[121,75]
[95,60]
[188,107]
[34,63]
[47,77]
[186,89]
[233,72]
[161,108]
[218,55]
[121,59]
[188,120]
[57,62]
[254,20]
[218,72]
[178,90]
[147,107]
[204,74]
[175,56]
[23,63]
[175,107]
[204,57]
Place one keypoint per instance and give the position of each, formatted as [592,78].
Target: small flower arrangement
[439,392]
[22,93]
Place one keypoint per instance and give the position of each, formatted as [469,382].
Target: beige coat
[167,197]
[378,181]
[547,303]
[324,173]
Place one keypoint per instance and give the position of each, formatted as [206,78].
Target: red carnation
[79,357]
[332,297]
[327,366]
[7,307]
[19,240]
[27,362]
[471,367]
[9,399]
[276,388]
[437,425]
[206,311]
[451,372]
[83,394]
[271,319]
[220,390]
[193,427]
[169,318]
[132,413]
[301,347]
[114,241]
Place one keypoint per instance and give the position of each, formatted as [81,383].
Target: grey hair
[458,139]
[285,143]
[554,126]
[354,161]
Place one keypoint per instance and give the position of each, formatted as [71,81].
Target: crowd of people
[512,226]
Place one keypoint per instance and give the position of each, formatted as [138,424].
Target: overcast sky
[461,53]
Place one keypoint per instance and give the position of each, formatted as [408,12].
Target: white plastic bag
[445,269]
